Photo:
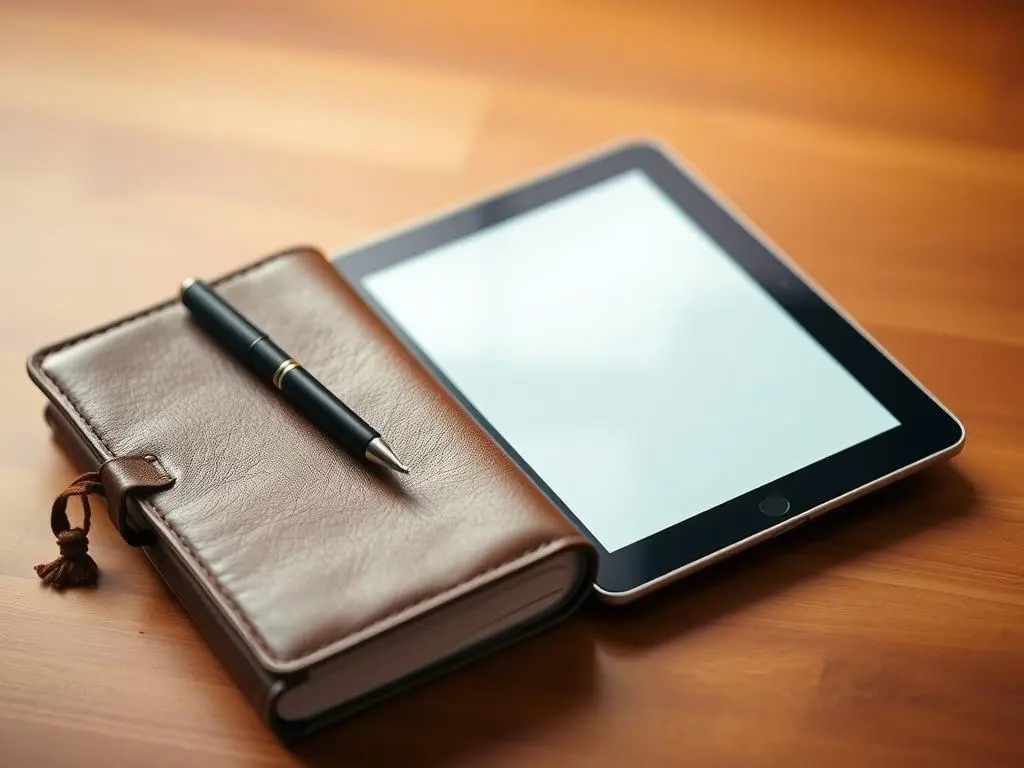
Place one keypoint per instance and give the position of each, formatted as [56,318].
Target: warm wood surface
[880,143]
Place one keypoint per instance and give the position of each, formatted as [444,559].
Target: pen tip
[380,453]
[187,283]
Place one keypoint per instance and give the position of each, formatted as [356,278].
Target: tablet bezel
[927,431]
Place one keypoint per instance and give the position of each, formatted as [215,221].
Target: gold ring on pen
[283,370]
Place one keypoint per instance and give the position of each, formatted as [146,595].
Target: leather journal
[322,584]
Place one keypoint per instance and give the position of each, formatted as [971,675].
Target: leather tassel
[74,567]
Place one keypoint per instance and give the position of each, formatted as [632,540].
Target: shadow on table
[867,525]
[511,696]
[519,693]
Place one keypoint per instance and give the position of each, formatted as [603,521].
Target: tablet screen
[637,369]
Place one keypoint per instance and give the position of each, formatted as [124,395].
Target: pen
[254,348]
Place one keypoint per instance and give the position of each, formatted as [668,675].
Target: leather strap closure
[125,477]
[118,480]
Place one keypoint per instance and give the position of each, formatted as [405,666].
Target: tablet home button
[774,506]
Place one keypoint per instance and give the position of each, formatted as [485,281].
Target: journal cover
[322,583]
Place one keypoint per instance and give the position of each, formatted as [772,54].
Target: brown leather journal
[322,584]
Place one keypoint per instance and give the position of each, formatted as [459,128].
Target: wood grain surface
[880,143]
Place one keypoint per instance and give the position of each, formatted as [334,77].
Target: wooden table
[880,143]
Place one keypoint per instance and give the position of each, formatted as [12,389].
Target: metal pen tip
[380,452]
[187,283]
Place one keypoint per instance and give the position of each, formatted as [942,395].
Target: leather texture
[303,550]
[124,477]
[258,686]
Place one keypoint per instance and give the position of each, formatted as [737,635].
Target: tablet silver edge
[621,598]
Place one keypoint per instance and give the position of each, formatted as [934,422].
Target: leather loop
[131,476]
[74,567]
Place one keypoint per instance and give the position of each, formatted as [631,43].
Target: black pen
[272,364]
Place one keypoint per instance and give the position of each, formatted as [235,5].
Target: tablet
[661,371]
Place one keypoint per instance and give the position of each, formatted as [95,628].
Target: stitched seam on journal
[37,359]
[219,586]
[189,547]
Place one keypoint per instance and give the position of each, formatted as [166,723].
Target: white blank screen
[642,374]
